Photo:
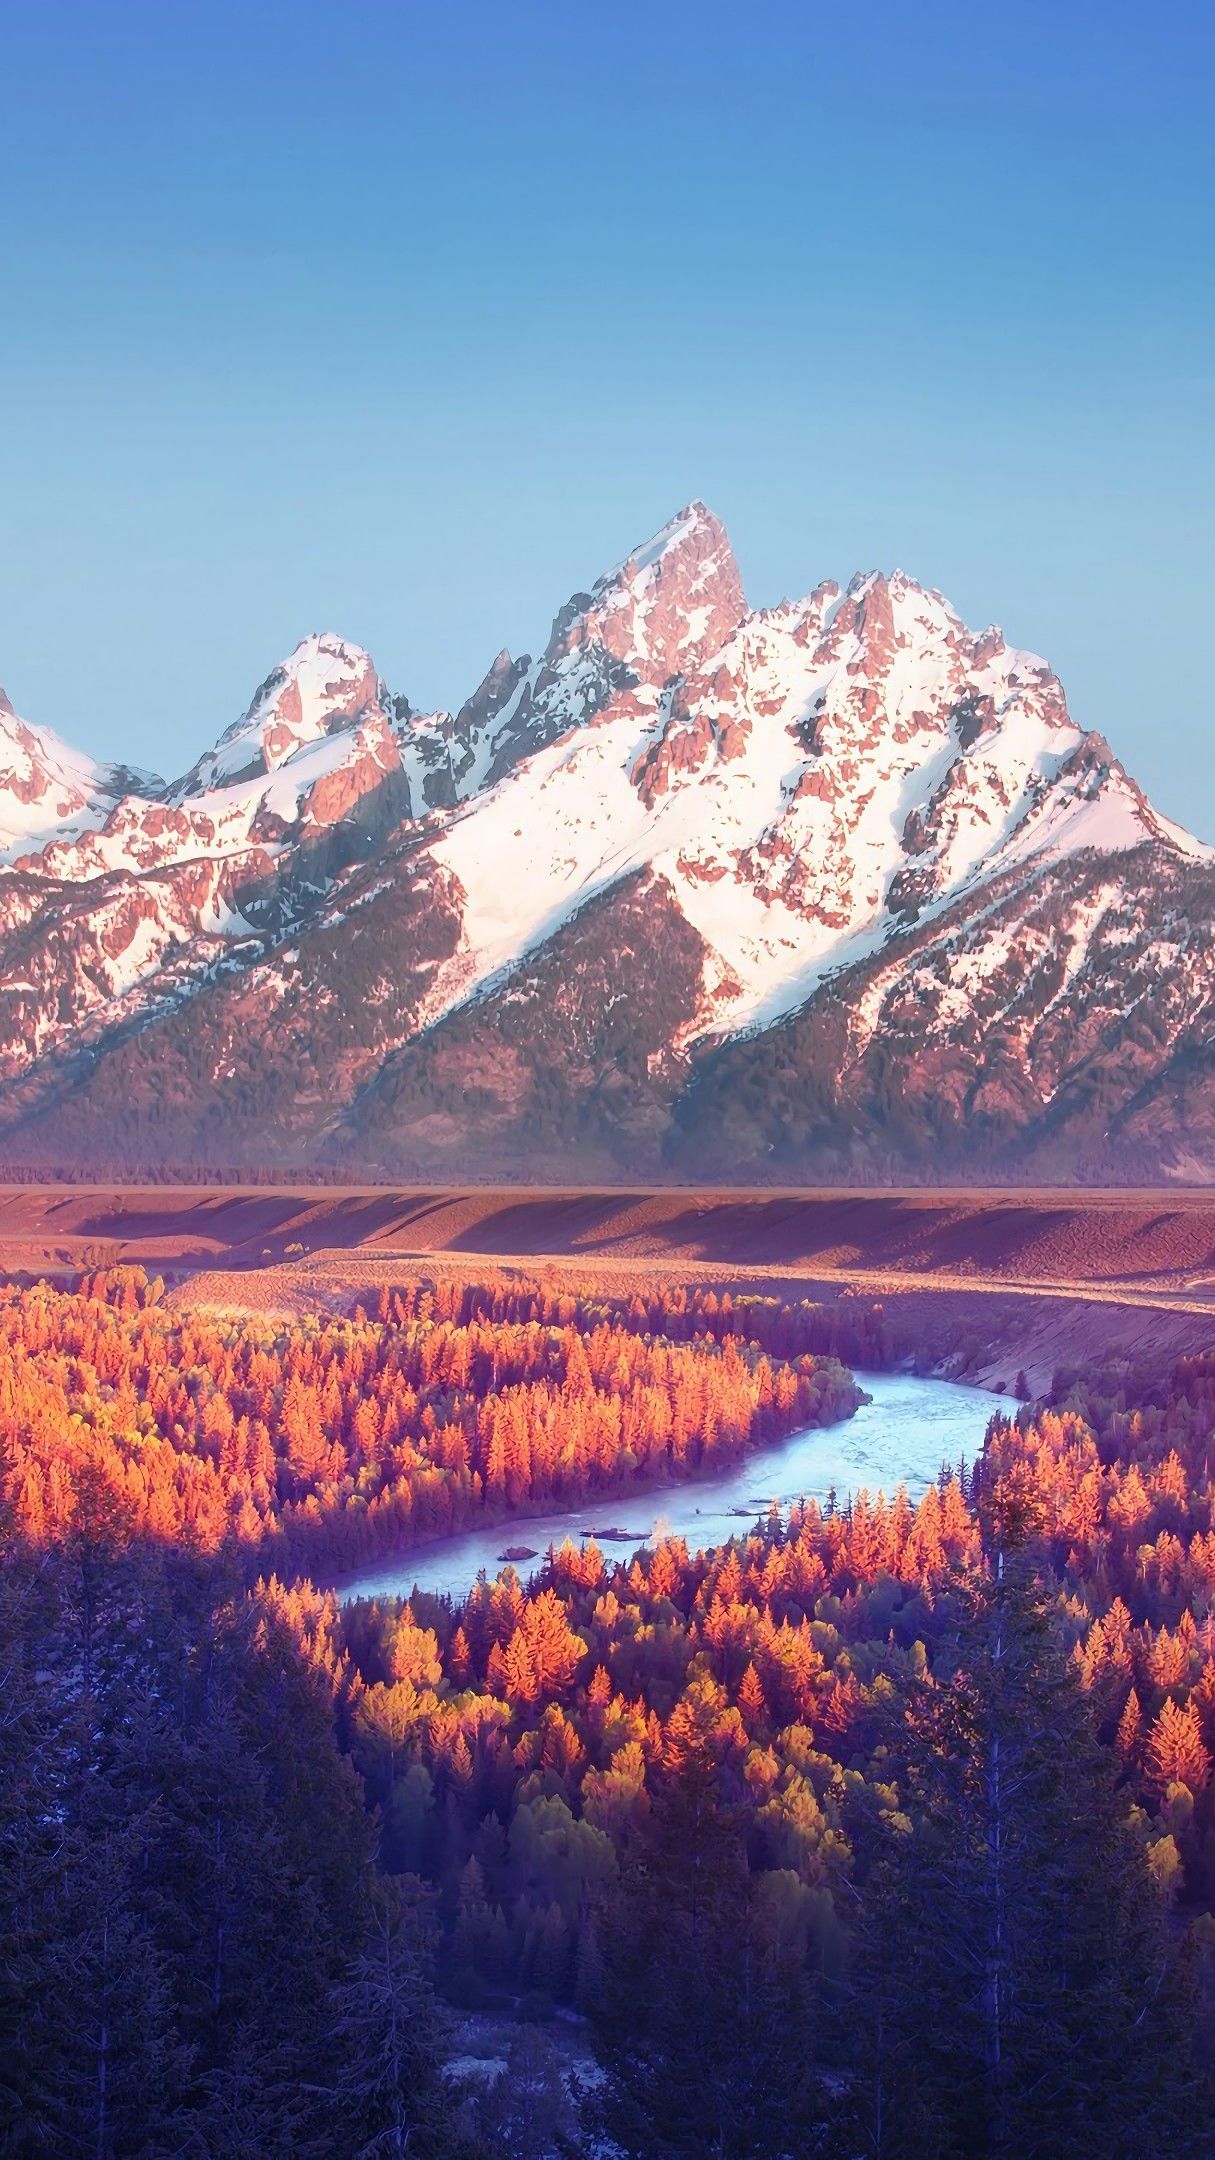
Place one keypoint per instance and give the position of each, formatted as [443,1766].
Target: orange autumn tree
[1175,1753]
[320,1442]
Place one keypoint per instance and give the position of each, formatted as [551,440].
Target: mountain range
[833,890]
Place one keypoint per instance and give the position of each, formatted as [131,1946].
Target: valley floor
[986,1283]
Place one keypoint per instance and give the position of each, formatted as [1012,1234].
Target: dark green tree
[389,2099]
[1017,1993]
[111,2074]
[703,2032]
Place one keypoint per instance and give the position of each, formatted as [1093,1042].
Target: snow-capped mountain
[49,791]
[836,886]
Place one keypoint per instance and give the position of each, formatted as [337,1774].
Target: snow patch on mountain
[832,770]
[48,790]
[324,686]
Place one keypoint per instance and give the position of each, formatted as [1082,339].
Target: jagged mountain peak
[897,604]
[312,763]
[326,684]
[671,602]
[693,532]
[48,790]
[832,771]
[660,613]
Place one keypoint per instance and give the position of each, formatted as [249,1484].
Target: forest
[309,1447]
[886,1829]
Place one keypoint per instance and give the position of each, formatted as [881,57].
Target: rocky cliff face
[831,888]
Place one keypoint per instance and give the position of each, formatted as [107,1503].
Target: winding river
[901,1437]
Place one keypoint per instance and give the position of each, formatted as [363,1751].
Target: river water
[901,1437]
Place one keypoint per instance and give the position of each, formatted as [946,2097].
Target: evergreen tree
[702,2032]
[33,1753]
[112,2075]
[1016,1993]
[389,2099]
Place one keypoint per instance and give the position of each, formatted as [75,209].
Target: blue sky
[407,320]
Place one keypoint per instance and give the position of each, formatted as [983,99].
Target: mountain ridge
[843,856]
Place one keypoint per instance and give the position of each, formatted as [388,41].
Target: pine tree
[35,1745]
[702,2032]
[480,1943]
[114,2071]
[1130,1726]
[389,2099]
[1175,1752]
[1016,1994]
[751,1698]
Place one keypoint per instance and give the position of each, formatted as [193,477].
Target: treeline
[522,1726]
[311,1446]
[855,1332]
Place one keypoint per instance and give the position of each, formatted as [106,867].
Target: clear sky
[407,319]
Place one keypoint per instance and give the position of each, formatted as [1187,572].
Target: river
[901,1437]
